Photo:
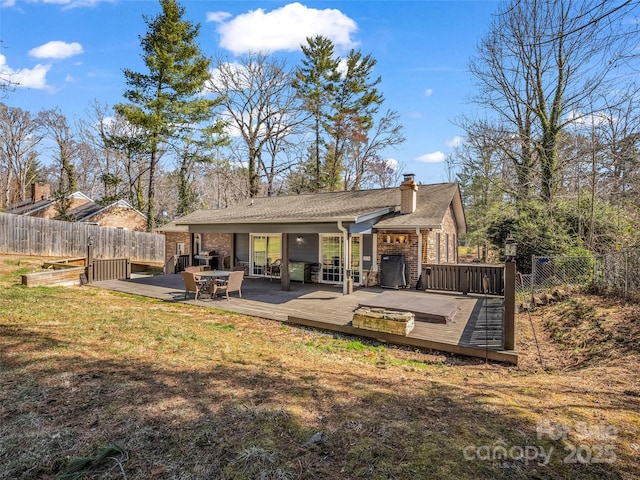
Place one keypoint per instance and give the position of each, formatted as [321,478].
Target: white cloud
[590,119]
[57,50]
[342,67]
[455,141]
[35,77]
[217,17]
[72,3]
[231,67]
[392,163]
[428,92]
[285,28]
[8,3]
[434,157]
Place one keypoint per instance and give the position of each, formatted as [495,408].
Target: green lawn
[99,385]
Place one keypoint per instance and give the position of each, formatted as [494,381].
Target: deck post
[510,305]
[285,281]
[463,273]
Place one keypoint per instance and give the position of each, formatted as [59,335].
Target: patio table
[210,276]
[215,273]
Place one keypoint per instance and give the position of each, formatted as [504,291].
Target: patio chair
[273,269]
[232,284]
[192,283]
[238,263]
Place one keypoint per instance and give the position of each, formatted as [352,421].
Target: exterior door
[265,249]
[333,262]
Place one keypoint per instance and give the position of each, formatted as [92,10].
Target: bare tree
[364,165]
[7,80]
[65,150]
[538,76]
[20,134]
[98,152]
[262,112]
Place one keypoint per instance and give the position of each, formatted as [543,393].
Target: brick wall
[222,243]
[410,248]
[170,247]
[120,217]
[446,237]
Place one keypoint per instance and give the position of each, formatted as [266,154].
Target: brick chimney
[408,194]
[40,191]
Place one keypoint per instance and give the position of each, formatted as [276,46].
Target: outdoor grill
[393,271]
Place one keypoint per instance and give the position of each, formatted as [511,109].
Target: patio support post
[510,305]
[285,282]
[374,256]
[347,282]
[232,253]
[192,245]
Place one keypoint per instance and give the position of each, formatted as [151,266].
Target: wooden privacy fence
[464,278]
[54,238]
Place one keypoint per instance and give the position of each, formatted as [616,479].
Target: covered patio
[476,329]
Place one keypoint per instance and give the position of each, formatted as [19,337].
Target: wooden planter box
[381,320]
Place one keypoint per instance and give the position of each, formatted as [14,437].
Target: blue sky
[68,53]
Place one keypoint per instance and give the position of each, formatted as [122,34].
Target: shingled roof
[351,206]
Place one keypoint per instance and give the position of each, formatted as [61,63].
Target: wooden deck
[476,330]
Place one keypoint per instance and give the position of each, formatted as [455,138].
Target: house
[79,208]
[335,238]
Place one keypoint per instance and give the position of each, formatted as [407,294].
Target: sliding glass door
[265,249]
[332,258]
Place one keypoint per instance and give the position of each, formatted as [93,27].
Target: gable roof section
[351,206]
[432,204]
[27,208]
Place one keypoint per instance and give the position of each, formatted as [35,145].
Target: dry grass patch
[103,385]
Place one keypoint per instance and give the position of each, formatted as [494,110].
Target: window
[446,248]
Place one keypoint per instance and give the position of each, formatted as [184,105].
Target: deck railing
[464,278]
[111,269]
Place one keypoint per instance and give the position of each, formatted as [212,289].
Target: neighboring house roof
[81,213]
[85,212]
[27,208]
[357,206]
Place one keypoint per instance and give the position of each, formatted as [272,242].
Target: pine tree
[356,100]
[166,101]
[316,82]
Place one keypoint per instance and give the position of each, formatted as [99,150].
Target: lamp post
[510,249]
[90,241]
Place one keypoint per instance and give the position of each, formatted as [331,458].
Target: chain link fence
[614,273]
[618,273]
